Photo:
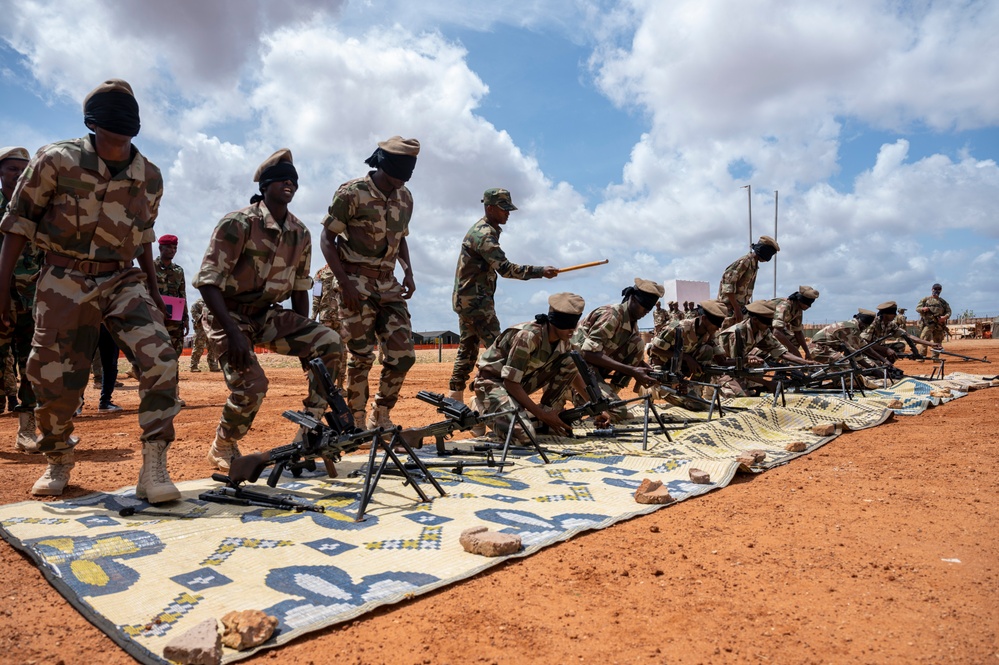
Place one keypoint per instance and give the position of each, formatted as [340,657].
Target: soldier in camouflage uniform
[832,343]
[364,234]
[90,204]
[480,260]
[900,320]
[787,325]
[608,339]
[735,290]
[884,326]
[326,305]
[751,339]
[660,318]
[934,312]
[257,258]
[683,346]
[691,310]
[201,343]
[529,357]
[170,281]
[9,368]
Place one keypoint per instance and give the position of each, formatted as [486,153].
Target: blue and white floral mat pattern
[145,578]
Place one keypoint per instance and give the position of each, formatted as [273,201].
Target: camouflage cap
[767,240]
[808,292]
[567,303]
[282,155]
[713,308]
[866,312]
[649,286]
[14,152]
[498,197]
[111,85]
[400,146]
[889,305]
[761,308]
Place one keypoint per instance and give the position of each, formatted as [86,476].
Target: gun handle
[247,468]
[275,474]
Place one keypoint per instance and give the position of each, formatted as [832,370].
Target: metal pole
[749,197]
[440,349]
[776,199]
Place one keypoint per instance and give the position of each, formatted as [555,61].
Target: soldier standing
[735,290]
[90,204]
[691,310]
[201,344]
[788,314]
[529,357]
[900,320]
[885,328]
[326,305]
[170,281]
[257,258]
[364,234]
[660,318]
[934,312]
[480,260]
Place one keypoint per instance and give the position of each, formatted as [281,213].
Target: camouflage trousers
[200,345]
[69,309]
[20,346]
[495,398]
[9,369]
[281,331]
[473,329]
[935,332]
[383,322]
[176,331]
[333,323]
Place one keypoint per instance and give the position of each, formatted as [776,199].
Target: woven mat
[147,578]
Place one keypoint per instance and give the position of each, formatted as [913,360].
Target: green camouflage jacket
[608,329]
[842,336]
[520,353]
[479,261]
[370,226]
[67,202]
[739,278]
[25,270]
[877,330]
[198,310]
[324,305]
[788,315]
[170,282]
[938,307]
[685,332]
[256,261]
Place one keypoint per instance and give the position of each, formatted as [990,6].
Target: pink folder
[175,306]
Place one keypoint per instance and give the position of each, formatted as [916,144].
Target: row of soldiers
[82,213]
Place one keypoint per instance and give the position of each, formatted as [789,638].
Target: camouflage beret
[713,308]
[567,303]
[498,197]
[891,304]
[111,85]
[866,312]
[761,307]
[767,240]
[168,239]
[808,292]
[400,146]
[14,152]
[282,155]
[649,286]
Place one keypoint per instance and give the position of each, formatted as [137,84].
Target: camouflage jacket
[67,202]
[877,330]
[660,318]
[25,270]
[739,278]
[254,260]
[938,307]
[763,341]
[479,261]
[369,225]
[788,315]
[684,332]
[675,316]
[520,353]
[842,336]
[198,310]
[901,322]
[170,282]
[324,305]
[692,314]
[609,330]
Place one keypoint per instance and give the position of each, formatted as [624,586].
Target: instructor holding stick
[479,261]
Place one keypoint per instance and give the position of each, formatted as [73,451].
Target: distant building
[435,336]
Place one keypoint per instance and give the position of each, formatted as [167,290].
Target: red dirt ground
[878,548]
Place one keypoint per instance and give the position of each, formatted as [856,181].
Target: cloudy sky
[625,130]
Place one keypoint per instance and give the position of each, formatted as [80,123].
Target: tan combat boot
[56,475]
[360,419]
[154,482]
[379,418]
[25,441]
[458,395]
[222,452]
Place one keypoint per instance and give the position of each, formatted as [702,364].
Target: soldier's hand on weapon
[942,320]
[602,421]
[555,424]
[754,361]
[550,271]
[641,376]
[890,354]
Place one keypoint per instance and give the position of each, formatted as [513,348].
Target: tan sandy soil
[839,557]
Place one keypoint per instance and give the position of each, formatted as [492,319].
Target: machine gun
[458,417]
[983,359]
[328,439]
[596,401]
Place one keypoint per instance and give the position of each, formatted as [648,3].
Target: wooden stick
[583,265]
